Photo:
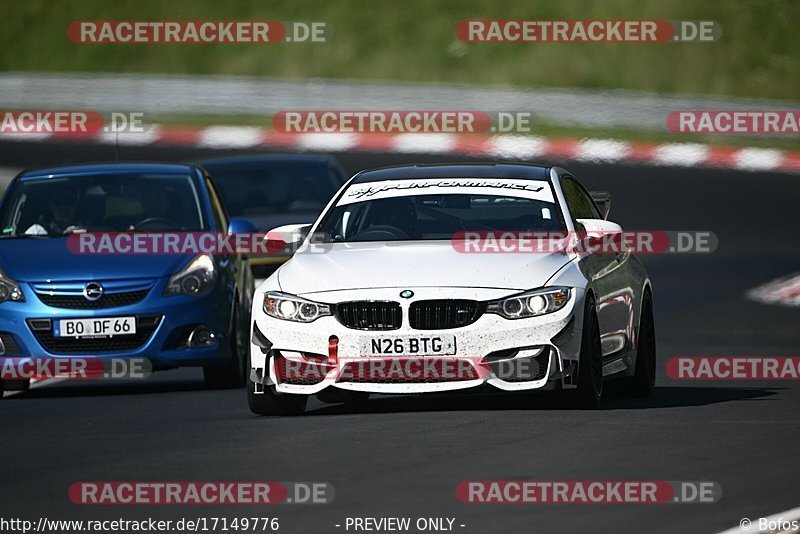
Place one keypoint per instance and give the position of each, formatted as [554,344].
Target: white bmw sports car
[400,287]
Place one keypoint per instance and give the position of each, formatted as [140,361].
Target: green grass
[414,40]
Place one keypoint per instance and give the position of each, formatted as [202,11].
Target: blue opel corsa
[177,309]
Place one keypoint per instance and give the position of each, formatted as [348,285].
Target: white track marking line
[516,146]
[230,136]
[758,159]
[424,143]
[681,154]
[602,150]
[334,142]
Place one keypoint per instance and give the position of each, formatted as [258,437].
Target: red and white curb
[495,146]
[784,291]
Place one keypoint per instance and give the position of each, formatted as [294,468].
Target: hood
[338,266]
[43,259]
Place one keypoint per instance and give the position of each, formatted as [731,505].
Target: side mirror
[238,225]
[600,226]
[593,236]
[603,201]
[292,235]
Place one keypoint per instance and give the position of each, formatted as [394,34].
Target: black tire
[232,374]
[273,403]
[643,381]
[590,364]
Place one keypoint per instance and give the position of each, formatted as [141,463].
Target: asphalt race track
[403,456]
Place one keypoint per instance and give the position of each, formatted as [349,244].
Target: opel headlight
[9,289]
[196,279]
[531,303]
[292,308]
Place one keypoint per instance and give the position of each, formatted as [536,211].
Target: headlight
[195,279]
[292,308]
[9,289]
[531,303]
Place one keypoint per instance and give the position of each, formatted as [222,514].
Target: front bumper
[163,324]
[510,355]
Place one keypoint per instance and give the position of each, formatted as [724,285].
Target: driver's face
[63,211]
[154,203]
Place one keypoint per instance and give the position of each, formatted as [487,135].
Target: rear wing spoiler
[603,201]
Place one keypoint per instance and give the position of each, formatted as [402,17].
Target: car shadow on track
[130,387]
[683,396]
[662,397]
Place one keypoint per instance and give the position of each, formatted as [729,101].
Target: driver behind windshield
[155,201]
[394,215]
[60,217]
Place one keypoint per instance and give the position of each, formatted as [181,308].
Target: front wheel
[643,381]
[590,362]
[232,374]
[270,402]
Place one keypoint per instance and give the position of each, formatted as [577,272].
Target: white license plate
[434,345]
[100,327]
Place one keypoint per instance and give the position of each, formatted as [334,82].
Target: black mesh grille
[79,302]
[9,344]
[145,326]
[445,313]
[370,315]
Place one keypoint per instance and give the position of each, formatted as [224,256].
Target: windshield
[251,191]
[115,203]
[377,213]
